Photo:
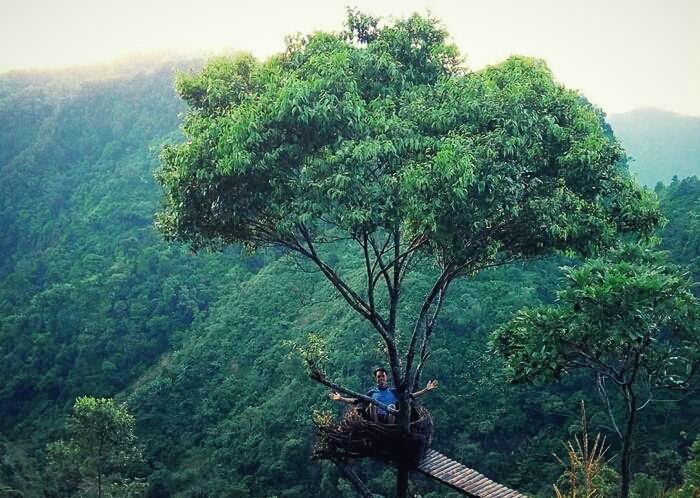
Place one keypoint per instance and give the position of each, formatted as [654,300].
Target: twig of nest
[356,436]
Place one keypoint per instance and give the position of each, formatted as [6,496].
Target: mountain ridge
[661,144]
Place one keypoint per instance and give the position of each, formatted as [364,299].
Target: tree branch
[352,298]
[370,271]
[421,324]
[383,269]
[424,351]
[603,392]
[319,377]
[349,474]
[396,266]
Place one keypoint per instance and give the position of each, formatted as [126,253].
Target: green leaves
[101,446]
[224,82]
[377,128]
[630,308]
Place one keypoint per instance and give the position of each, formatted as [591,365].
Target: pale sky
[621,54]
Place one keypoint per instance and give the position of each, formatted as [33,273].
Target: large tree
[378,139]
[630,319]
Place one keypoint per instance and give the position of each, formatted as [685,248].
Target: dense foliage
[92,302]
[379,130]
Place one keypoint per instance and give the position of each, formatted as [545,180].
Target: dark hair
[380,369]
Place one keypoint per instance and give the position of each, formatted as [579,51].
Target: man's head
[380,377]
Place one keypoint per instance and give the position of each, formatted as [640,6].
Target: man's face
[380,377]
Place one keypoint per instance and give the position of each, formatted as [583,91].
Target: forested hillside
[662,144]
[204,347]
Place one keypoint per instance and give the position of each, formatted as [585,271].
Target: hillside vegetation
[202,347]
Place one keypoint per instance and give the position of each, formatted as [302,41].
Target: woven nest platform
[355,436]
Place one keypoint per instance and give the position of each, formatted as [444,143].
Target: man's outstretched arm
[335,396]
[432,384]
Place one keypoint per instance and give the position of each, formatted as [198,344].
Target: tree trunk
[404,420]
[625,456]
[99,473]
[99,483]
[402,483]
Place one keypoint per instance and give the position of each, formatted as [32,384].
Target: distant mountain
[661,143]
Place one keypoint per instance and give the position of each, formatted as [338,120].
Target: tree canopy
[382,128]
[630,316]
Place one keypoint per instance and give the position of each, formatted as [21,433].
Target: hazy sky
[621,54]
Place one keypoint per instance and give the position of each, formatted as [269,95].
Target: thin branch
[368,267]
[683,385]
[421,322]
[603,392]
[438,306]
[381,251]
[644,405]
[405,256]
[396,268]
[596,364]
[352,298]
[674,400]
[425,352]
[406,262]
[654,373]
[349,474]
[383,269]
[419,369]
[297,262]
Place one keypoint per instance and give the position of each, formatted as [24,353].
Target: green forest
[175,357]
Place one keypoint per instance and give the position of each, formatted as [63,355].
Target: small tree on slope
[101,447]
[630,319]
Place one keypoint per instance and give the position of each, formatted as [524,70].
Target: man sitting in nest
[385,395]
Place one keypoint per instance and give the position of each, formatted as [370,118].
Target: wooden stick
[320,378]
